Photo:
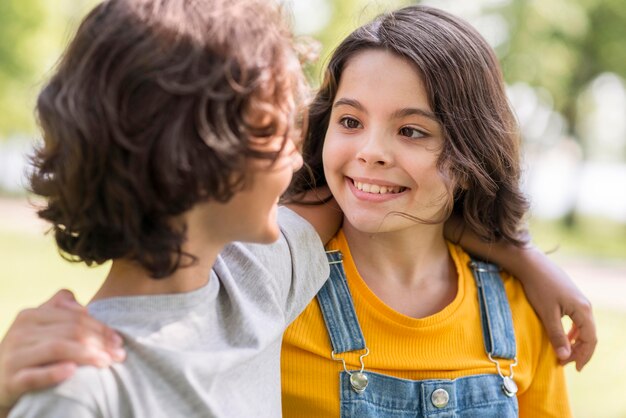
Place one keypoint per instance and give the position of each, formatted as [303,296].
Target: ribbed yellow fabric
[446,345]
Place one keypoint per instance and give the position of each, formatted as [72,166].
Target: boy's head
[155,106]
[480,156]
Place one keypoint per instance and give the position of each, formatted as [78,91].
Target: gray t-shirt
[213,352]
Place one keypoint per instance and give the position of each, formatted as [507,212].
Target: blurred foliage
[32,35]
[562,45]
[17,19]
[20,21]
[346,15]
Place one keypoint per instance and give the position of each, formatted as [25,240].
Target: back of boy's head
[461,75]
[149,113]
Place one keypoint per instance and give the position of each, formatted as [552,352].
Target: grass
[32,270]
[591,237]
[598,391]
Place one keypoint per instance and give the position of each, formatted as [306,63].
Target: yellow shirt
[446,345]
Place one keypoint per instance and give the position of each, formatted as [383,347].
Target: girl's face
[382,145]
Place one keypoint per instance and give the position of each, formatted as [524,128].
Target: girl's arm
[43,346]
[548,288]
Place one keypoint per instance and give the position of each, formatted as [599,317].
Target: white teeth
[376,189]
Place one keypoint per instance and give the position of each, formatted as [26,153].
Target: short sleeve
[50,404]
[547,394]
[309,265]
[83,395]
[292,269]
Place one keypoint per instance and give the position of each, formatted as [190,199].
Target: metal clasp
[335,261]
[358,380]
[509,387]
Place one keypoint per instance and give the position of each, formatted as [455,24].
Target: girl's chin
[367,226]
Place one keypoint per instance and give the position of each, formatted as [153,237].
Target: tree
[563,45]
[20,21]
[346,15]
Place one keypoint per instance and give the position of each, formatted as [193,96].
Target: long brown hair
[148,113]
[480,156]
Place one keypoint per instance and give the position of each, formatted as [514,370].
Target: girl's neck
[402,253]
[410,270]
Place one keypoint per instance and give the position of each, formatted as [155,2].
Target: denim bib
[366,394]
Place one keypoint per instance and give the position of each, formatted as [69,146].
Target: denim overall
[367,394]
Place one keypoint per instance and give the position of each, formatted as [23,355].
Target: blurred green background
[565,66]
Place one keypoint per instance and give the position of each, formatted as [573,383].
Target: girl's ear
[463,181]
[460,180]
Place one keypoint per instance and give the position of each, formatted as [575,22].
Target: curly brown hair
[148,113]
[480,160]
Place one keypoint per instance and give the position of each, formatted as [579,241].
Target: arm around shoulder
[549,289]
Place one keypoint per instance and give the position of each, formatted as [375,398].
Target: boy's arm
[326,217]
[43,346]
[548,288]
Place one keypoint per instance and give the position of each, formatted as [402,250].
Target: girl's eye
[412,133]
[349,123]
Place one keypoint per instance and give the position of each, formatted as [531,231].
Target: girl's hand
[43,347]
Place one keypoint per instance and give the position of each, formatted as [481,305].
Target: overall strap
[337,307]
[495,312]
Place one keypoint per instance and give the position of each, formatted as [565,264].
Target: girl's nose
[375,151]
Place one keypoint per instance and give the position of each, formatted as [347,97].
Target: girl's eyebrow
[410,111]
[344,101]
[400,113]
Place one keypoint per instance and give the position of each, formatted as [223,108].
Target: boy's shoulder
[293,268]
[83,395]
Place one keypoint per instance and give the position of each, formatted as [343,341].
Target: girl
[412,125]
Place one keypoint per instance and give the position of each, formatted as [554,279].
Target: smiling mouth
[377,189]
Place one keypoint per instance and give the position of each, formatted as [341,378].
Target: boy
[168,129]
